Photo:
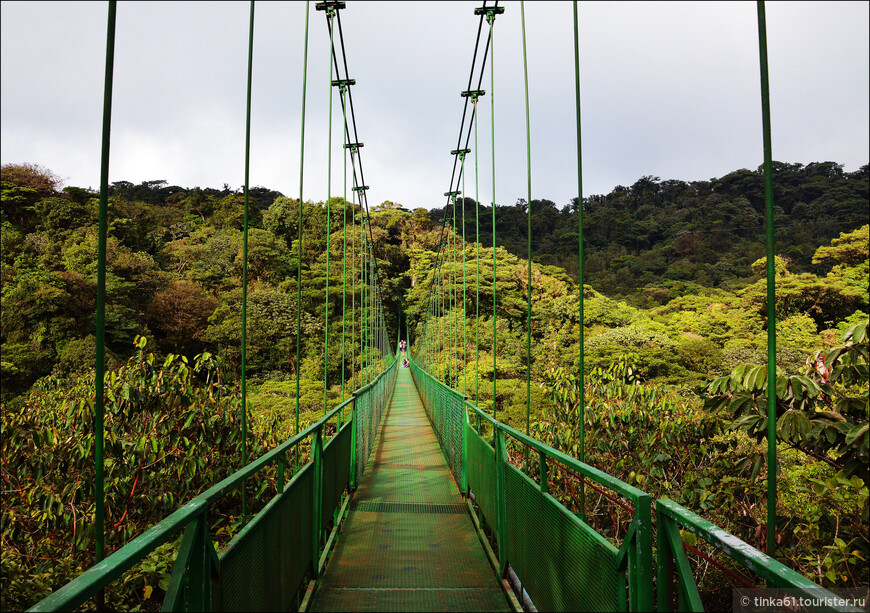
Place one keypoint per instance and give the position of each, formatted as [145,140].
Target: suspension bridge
[407,495]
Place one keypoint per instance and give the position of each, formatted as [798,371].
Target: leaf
[689,538]
[148,590]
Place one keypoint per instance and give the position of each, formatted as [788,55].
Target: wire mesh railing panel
[370,403]
[336,472]
[564,564]
[266,563]
[481,474]
[445,408]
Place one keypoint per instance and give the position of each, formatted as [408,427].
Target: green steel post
[542,467]
[299,243]
[580,375]
[643,571]
[99,385]
[199,578]
[664,565]
[317,460]
[771,288]
[529,223]
[500,496]
[463,486]
[245,257]
[353,435]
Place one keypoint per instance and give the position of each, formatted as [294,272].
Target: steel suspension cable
[299,229]
[529,224]
[330,14]
[342,88]
[464,298]
[490,18]
[581,374]
[477,242]
[245,256]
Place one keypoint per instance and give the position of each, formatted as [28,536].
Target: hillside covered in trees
[675,307]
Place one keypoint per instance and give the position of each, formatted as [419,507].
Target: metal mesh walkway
[408,543]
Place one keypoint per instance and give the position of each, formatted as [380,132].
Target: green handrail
[671,556]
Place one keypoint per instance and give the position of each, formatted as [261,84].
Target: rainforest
[674,331]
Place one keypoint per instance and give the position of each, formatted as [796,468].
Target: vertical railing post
[664,566]
[281,465]
[317,460]
[542,467]
[353,428]
[641,570]
[500,498]
[199,578]
[464,427]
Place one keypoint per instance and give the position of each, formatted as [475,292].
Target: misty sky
[669,89]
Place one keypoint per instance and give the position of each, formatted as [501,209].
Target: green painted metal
[407,543]
[267,562]
[298,501]
[771,284]
[299,239]
[581,453]
[562,562]
[99,386]
[528,223]
[477,266]
[491,12]
[342,88]
[330,14]
[244,407]
[672,516]
[317,497]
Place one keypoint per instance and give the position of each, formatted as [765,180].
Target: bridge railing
[266,563]
[681,592]
[562,562]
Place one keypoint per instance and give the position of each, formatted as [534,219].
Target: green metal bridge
[406,495]
[408,507]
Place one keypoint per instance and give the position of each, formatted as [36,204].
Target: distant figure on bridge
[403,345]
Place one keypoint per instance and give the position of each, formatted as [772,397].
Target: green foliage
[171,431]
[822,413]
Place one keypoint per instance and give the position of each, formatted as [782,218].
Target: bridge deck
[408,543]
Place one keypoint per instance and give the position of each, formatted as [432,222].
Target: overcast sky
[668,89]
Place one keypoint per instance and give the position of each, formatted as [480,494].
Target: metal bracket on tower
[343,84]
[474,94]
[332,5]
[489,11]
[354,147]
[360,188]
[461,153]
